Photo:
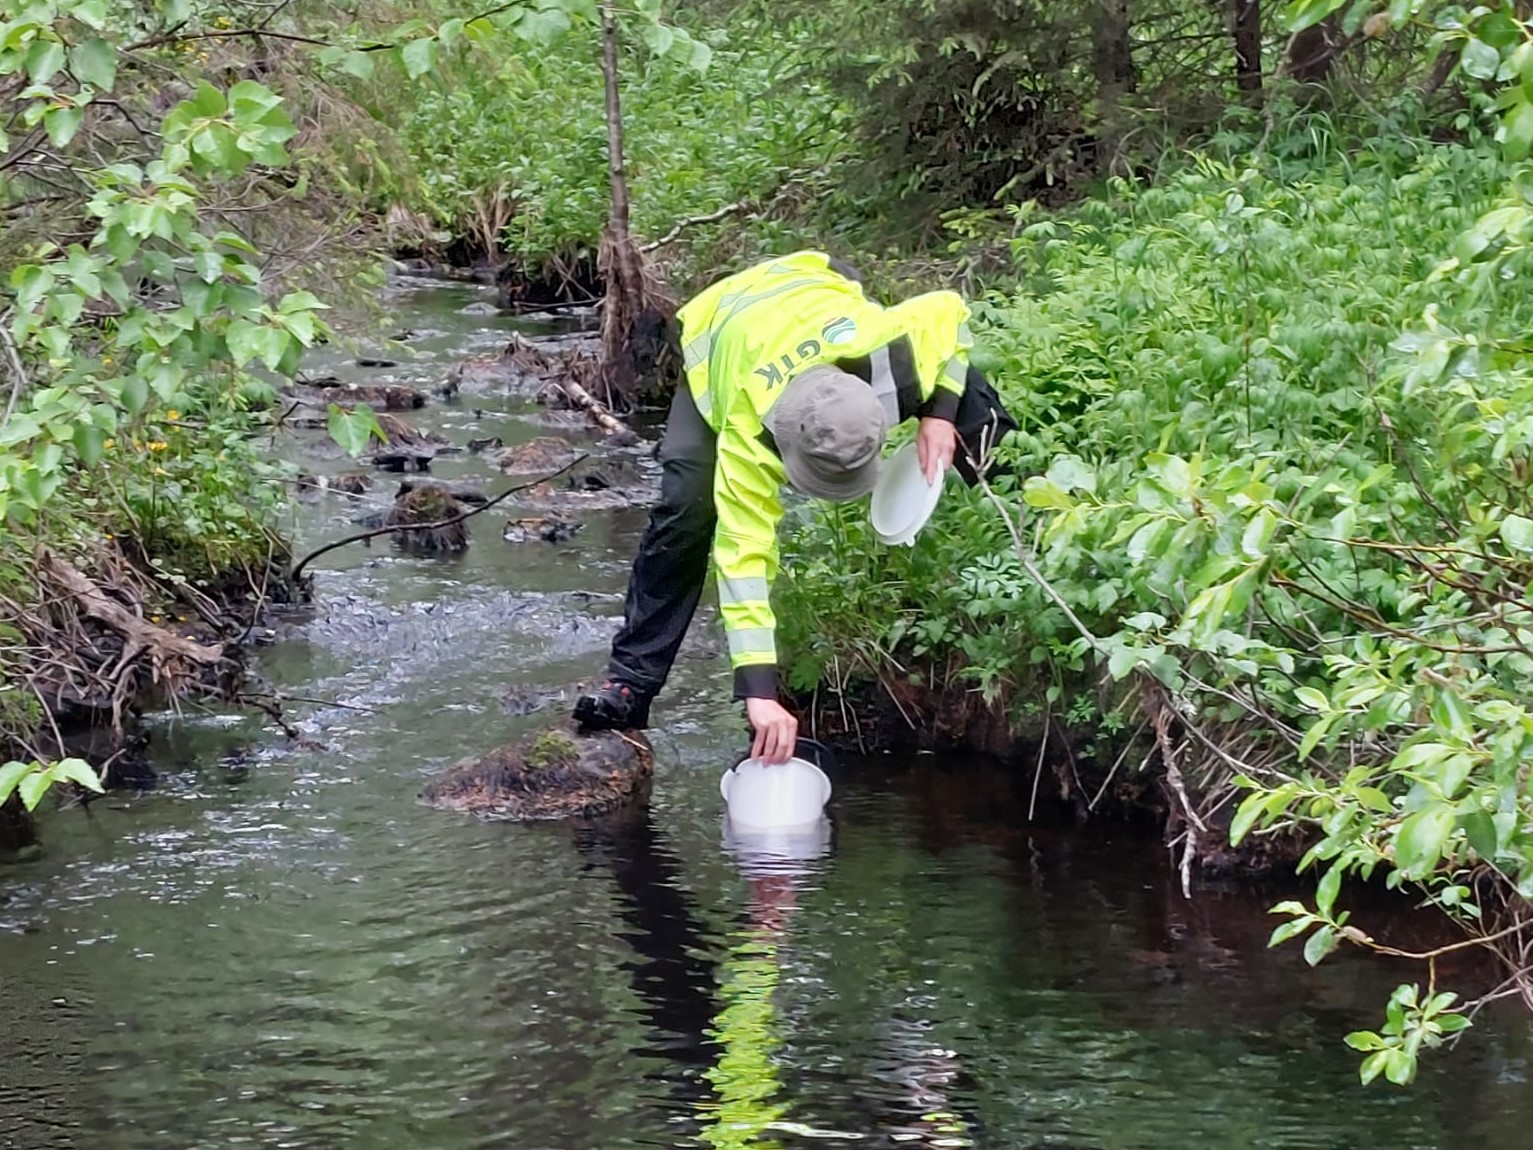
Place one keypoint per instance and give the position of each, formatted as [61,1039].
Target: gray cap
[829,429]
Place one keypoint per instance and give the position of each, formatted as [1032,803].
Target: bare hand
[936,443]
[776,730]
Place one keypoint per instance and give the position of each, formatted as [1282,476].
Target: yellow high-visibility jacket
[743,338]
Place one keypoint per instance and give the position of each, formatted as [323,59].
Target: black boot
[615,707]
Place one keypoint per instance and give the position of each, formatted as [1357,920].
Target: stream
[279,947]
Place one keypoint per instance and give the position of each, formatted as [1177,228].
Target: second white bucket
[787,794]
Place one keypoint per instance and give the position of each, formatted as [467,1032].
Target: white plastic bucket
[761,851]
[903,501]
[789,794]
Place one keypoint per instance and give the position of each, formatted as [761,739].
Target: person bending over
[791,375]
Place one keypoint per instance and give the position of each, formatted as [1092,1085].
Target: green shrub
[1275,460]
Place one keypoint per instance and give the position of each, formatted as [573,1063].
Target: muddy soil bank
[112,636]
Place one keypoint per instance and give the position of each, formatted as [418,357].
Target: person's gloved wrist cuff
[756,681]
[943,405]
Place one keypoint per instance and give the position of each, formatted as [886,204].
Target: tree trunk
[616,176]
[619,259]
[1113,63]
[1248,46]
[1312,52]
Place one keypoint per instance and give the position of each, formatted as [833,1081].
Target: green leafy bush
[1275,464]
[138,331]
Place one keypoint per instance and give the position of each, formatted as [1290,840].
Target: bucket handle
[810,750]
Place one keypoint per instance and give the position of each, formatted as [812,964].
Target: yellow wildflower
[173,415]
[159,471]
[158,445]
[108,444]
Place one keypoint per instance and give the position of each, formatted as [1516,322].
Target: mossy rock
[555,774]
[416,507]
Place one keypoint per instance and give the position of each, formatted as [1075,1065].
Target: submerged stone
[551,528]
[545,453]
[554,774]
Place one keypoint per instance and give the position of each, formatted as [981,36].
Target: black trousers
[672,564]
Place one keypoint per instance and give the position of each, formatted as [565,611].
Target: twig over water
[376,531]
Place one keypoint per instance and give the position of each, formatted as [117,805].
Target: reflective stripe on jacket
[743,338]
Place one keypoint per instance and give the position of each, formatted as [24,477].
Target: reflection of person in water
[745,1078]
[716,1027]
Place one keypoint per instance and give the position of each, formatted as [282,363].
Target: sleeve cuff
[942,405]
[756,681]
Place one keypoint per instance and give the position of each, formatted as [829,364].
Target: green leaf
[1041,492]
[1364,1040]
[1420,840]
[44,59]
[1439,1002]
[1068,473]
[1251,809]
[88,442]
[1399,1066]
[1480,60]
[1320,944]
[359,64]
[1517,130]
[135,393]
[1257,536]
[243,340]
[1375,800]
[62,124]
[1325,893]
[11,774]
[78,771]
[542,26]
[699,56]
[1317,731]
[1517,533]
[1290,930]
[1480,829]
[658,38]
[418,57]
[33,787]
[1313,699]
[1373,1066]
[355,429]
[295,301]
[94,62]
[1303,13]
[91,13]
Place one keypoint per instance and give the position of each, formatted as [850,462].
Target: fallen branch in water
[376,531]
[600,413]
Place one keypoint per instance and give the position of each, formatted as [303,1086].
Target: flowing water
[278,947]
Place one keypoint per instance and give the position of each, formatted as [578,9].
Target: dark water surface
[280,948]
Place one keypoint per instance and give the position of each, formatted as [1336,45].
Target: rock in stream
[554,774]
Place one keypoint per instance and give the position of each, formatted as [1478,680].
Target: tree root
[173,661]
